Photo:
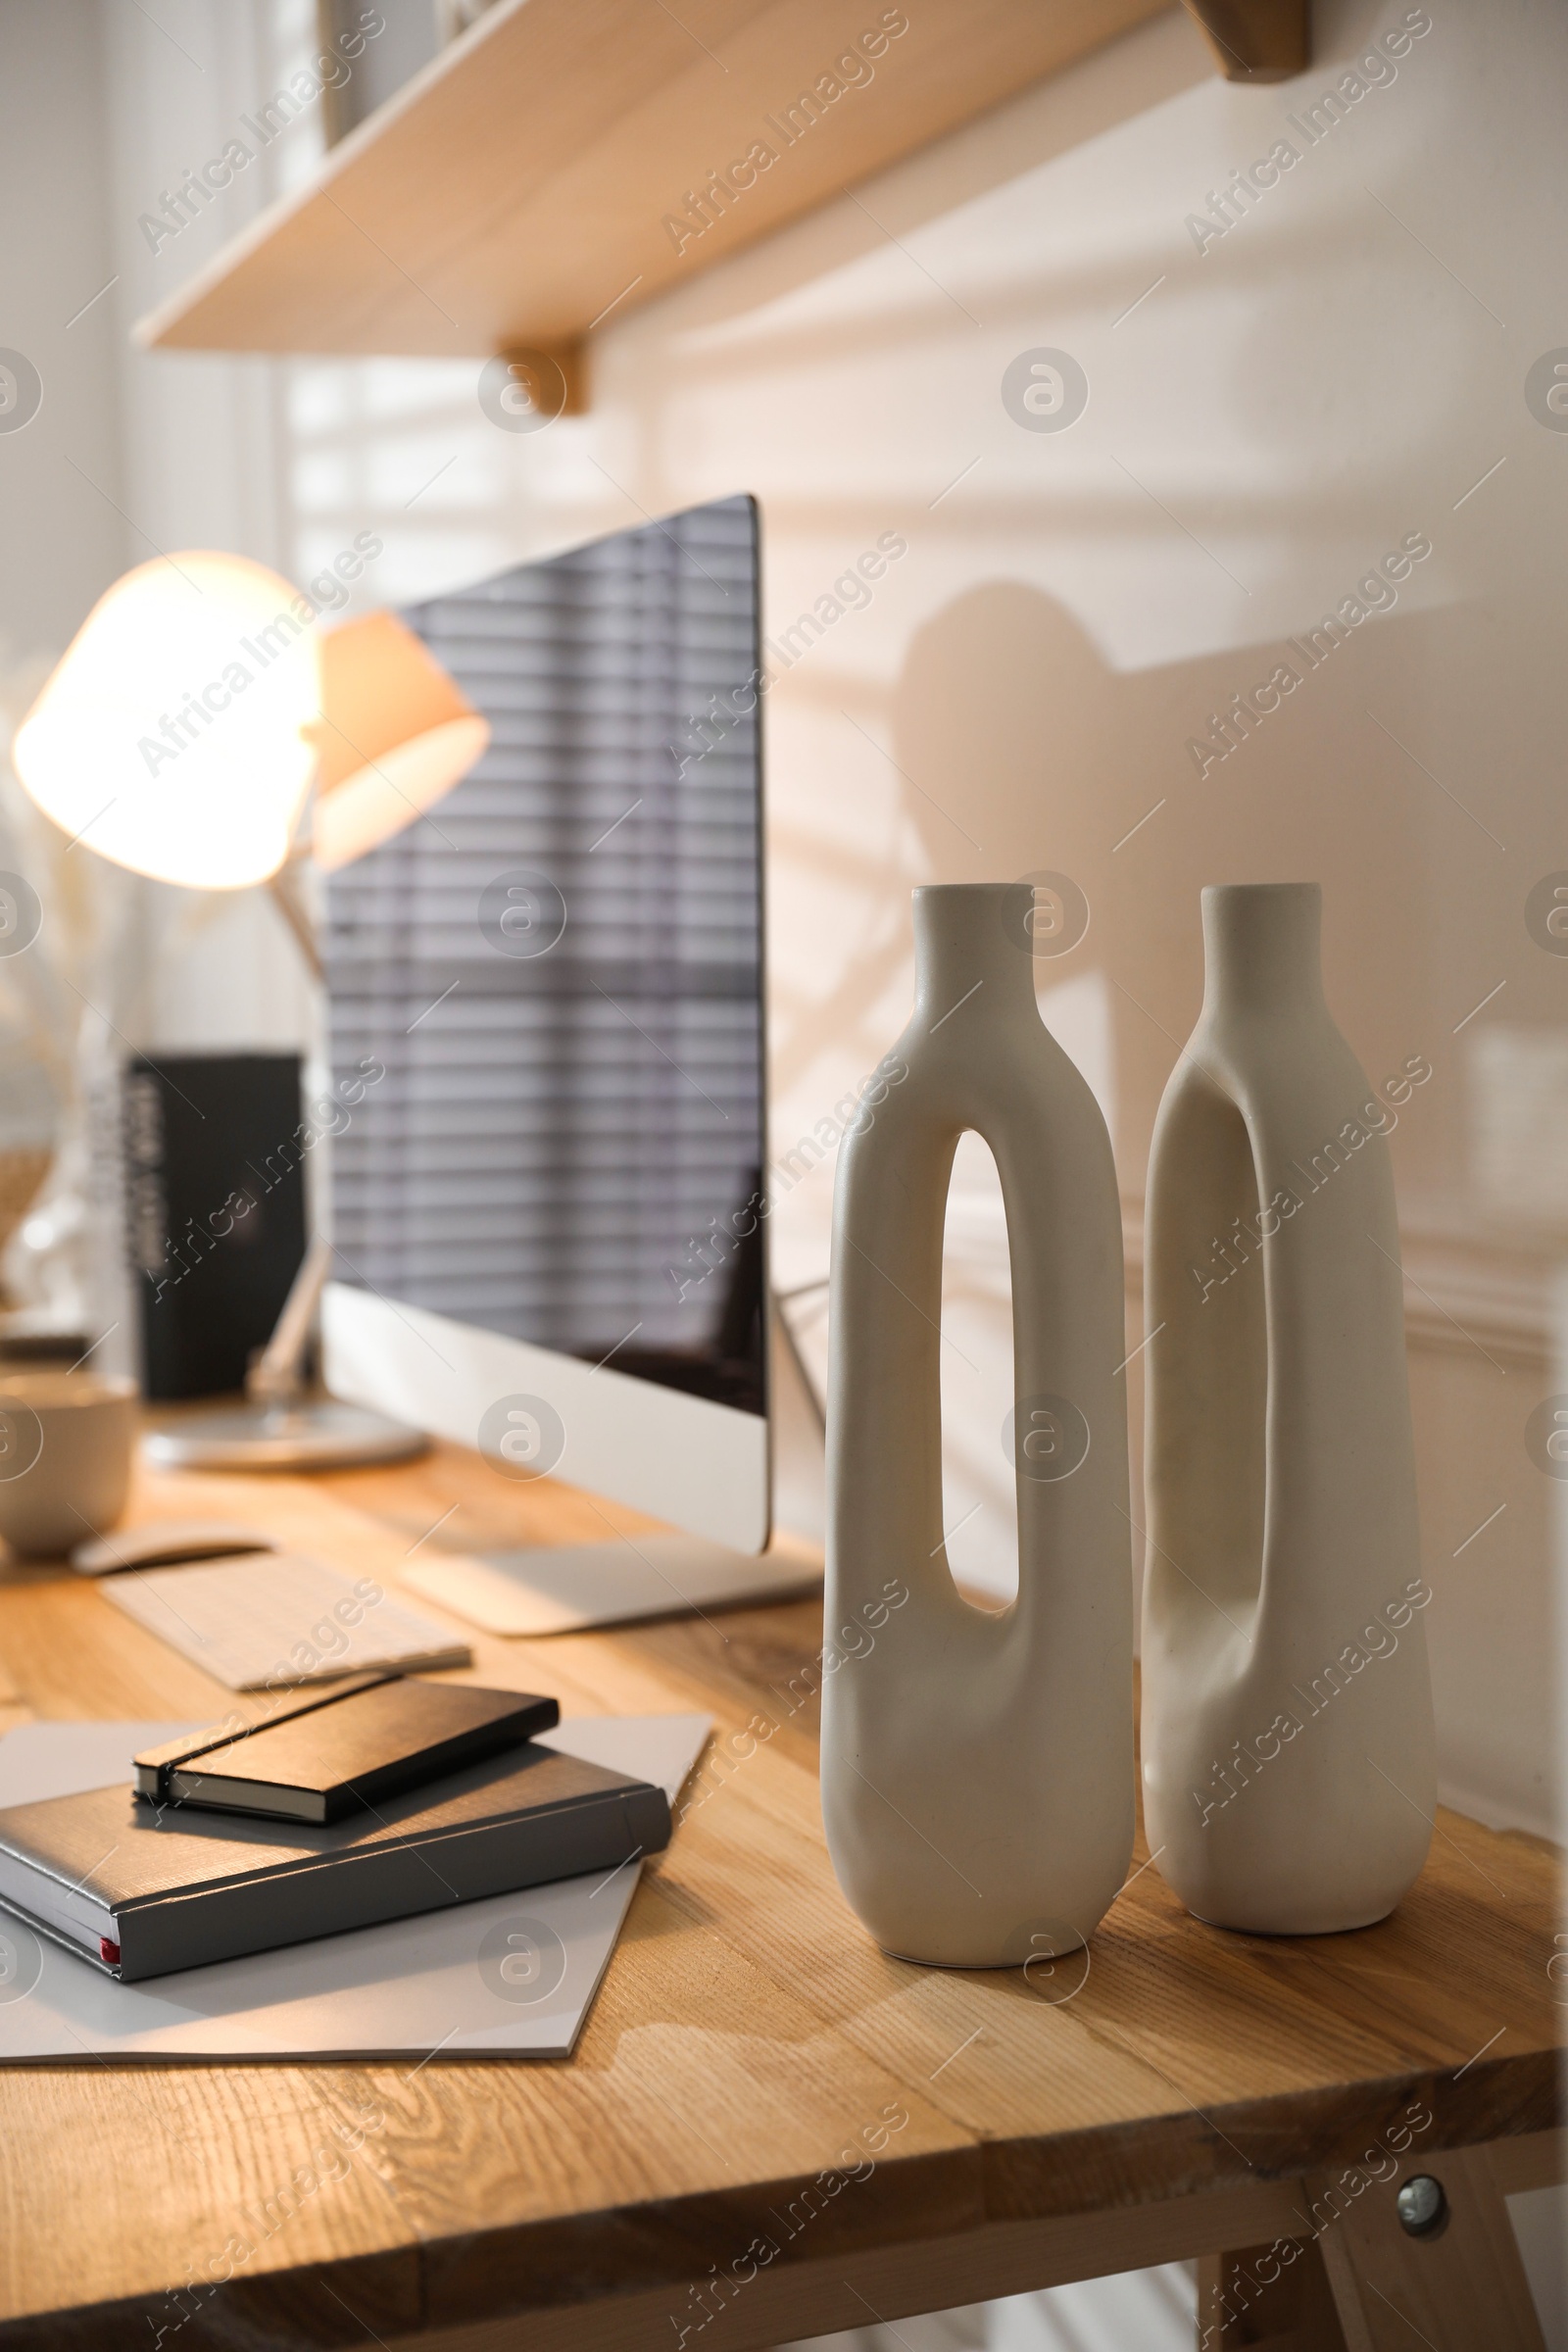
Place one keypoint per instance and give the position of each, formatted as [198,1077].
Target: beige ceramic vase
[1287,1747]
[977,1777]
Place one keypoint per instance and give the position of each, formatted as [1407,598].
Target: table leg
[1276,2298]
[1460,2287]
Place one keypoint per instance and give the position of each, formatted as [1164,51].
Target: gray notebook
[145,1891]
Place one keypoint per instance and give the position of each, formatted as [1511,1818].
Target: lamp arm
[288,897]
[274,1377]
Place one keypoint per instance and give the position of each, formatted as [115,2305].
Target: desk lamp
[179,736]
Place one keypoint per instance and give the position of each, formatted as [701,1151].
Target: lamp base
[321,1434]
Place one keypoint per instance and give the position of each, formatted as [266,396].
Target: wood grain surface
[769,2128]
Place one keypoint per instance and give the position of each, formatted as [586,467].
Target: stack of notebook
[375,1799]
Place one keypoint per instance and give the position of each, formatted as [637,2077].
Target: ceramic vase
[977,1775]
[1288,1749]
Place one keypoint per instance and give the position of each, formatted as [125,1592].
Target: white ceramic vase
[1287,1748]
[977,1777]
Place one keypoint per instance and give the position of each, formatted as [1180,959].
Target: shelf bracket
[551,381]
[1255,41]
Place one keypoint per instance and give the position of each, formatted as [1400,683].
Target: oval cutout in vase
[1288,1756]
[977,1779]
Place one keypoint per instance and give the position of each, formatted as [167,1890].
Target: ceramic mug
[66,1440]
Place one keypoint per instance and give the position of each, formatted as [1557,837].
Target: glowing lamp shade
[394,734]
[169,738]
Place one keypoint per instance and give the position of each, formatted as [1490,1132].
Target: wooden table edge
[997,2252]
[994,2257]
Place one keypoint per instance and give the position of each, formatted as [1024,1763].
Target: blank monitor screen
[559,968]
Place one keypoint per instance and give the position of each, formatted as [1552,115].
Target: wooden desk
[770,2129]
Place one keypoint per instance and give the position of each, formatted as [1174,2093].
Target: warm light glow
[169,738]
[394,734]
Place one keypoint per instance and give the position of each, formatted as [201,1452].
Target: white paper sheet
[515,1973]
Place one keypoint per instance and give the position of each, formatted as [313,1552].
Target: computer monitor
[547,1037]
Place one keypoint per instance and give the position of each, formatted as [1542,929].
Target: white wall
[60,485]
[204,459]
[63,532]
[1279,410]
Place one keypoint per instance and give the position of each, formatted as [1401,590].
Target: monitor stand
[563,1589]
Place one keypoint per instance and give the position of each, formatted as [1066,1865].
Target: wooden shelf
[526,183]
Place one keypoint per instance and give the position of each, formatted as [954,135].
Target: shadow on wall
[1026,753]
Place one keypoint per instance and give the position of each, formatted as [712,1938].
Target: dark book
[343,1749]
[144,1892]
[214,1146]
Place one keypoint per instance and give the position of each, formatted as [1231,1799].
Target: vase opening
[1226,1354]
[980,1535]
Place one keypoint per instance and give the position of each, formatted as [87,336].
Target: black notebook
[343,1748]
[144,1891]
